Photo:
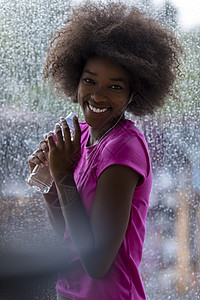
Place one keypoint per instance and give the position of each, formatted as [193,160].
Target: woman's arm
[54,212]
[39,157]
[98,238]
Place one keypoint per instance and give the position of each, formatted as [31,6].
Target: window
[28,108]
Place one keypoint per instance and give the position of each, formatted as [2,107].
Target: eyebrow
[113,79]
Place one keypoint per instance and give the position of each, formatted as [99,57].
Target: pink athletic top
[123,145]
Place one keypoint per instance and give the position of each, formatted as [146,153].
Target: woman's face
[103,91]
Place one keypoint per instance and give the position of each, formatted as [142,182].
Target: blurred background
[171,259]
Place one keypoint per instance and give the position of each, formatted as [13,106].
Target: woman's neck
[96,134]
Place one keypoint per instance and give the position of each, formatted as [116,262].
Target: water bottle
[40,178]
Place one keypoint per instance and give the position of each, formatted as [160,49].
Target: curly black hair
[120,33]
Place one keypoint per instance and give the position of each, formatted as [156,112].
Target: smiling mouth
[97,110]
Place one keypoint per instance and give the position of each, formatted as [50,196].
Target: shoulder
[127,138]
[127,146]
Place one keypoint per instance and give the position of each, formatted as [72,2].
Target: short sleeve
[130,151]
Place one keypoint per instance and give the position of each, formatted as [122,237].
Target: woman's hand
[39,156]
[63,154]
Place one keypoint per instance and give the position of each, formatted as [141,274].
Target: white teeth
[97,110]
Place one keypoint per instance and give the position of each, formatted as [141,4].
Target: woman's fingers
[31,163]
[59,135]
[77,131]
[34,160]
[44,146]
[51,142]
[45,136]
[66,131]
[38,157]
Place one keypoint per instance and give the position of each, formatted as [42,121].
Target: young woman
[109,58]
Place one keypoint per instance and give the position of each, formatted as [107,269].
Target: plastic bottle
[40,178]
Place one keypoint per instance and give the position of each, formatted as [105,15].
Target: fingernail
[46,163]
[62,119]
[49,134]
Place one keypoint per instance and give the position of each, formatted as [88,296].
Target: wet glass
[170,267]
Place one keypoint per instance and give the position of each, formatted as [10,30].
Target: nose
[99,95]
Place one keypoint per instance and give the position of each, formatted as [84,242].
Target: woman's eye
[116,87]
[88,80]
